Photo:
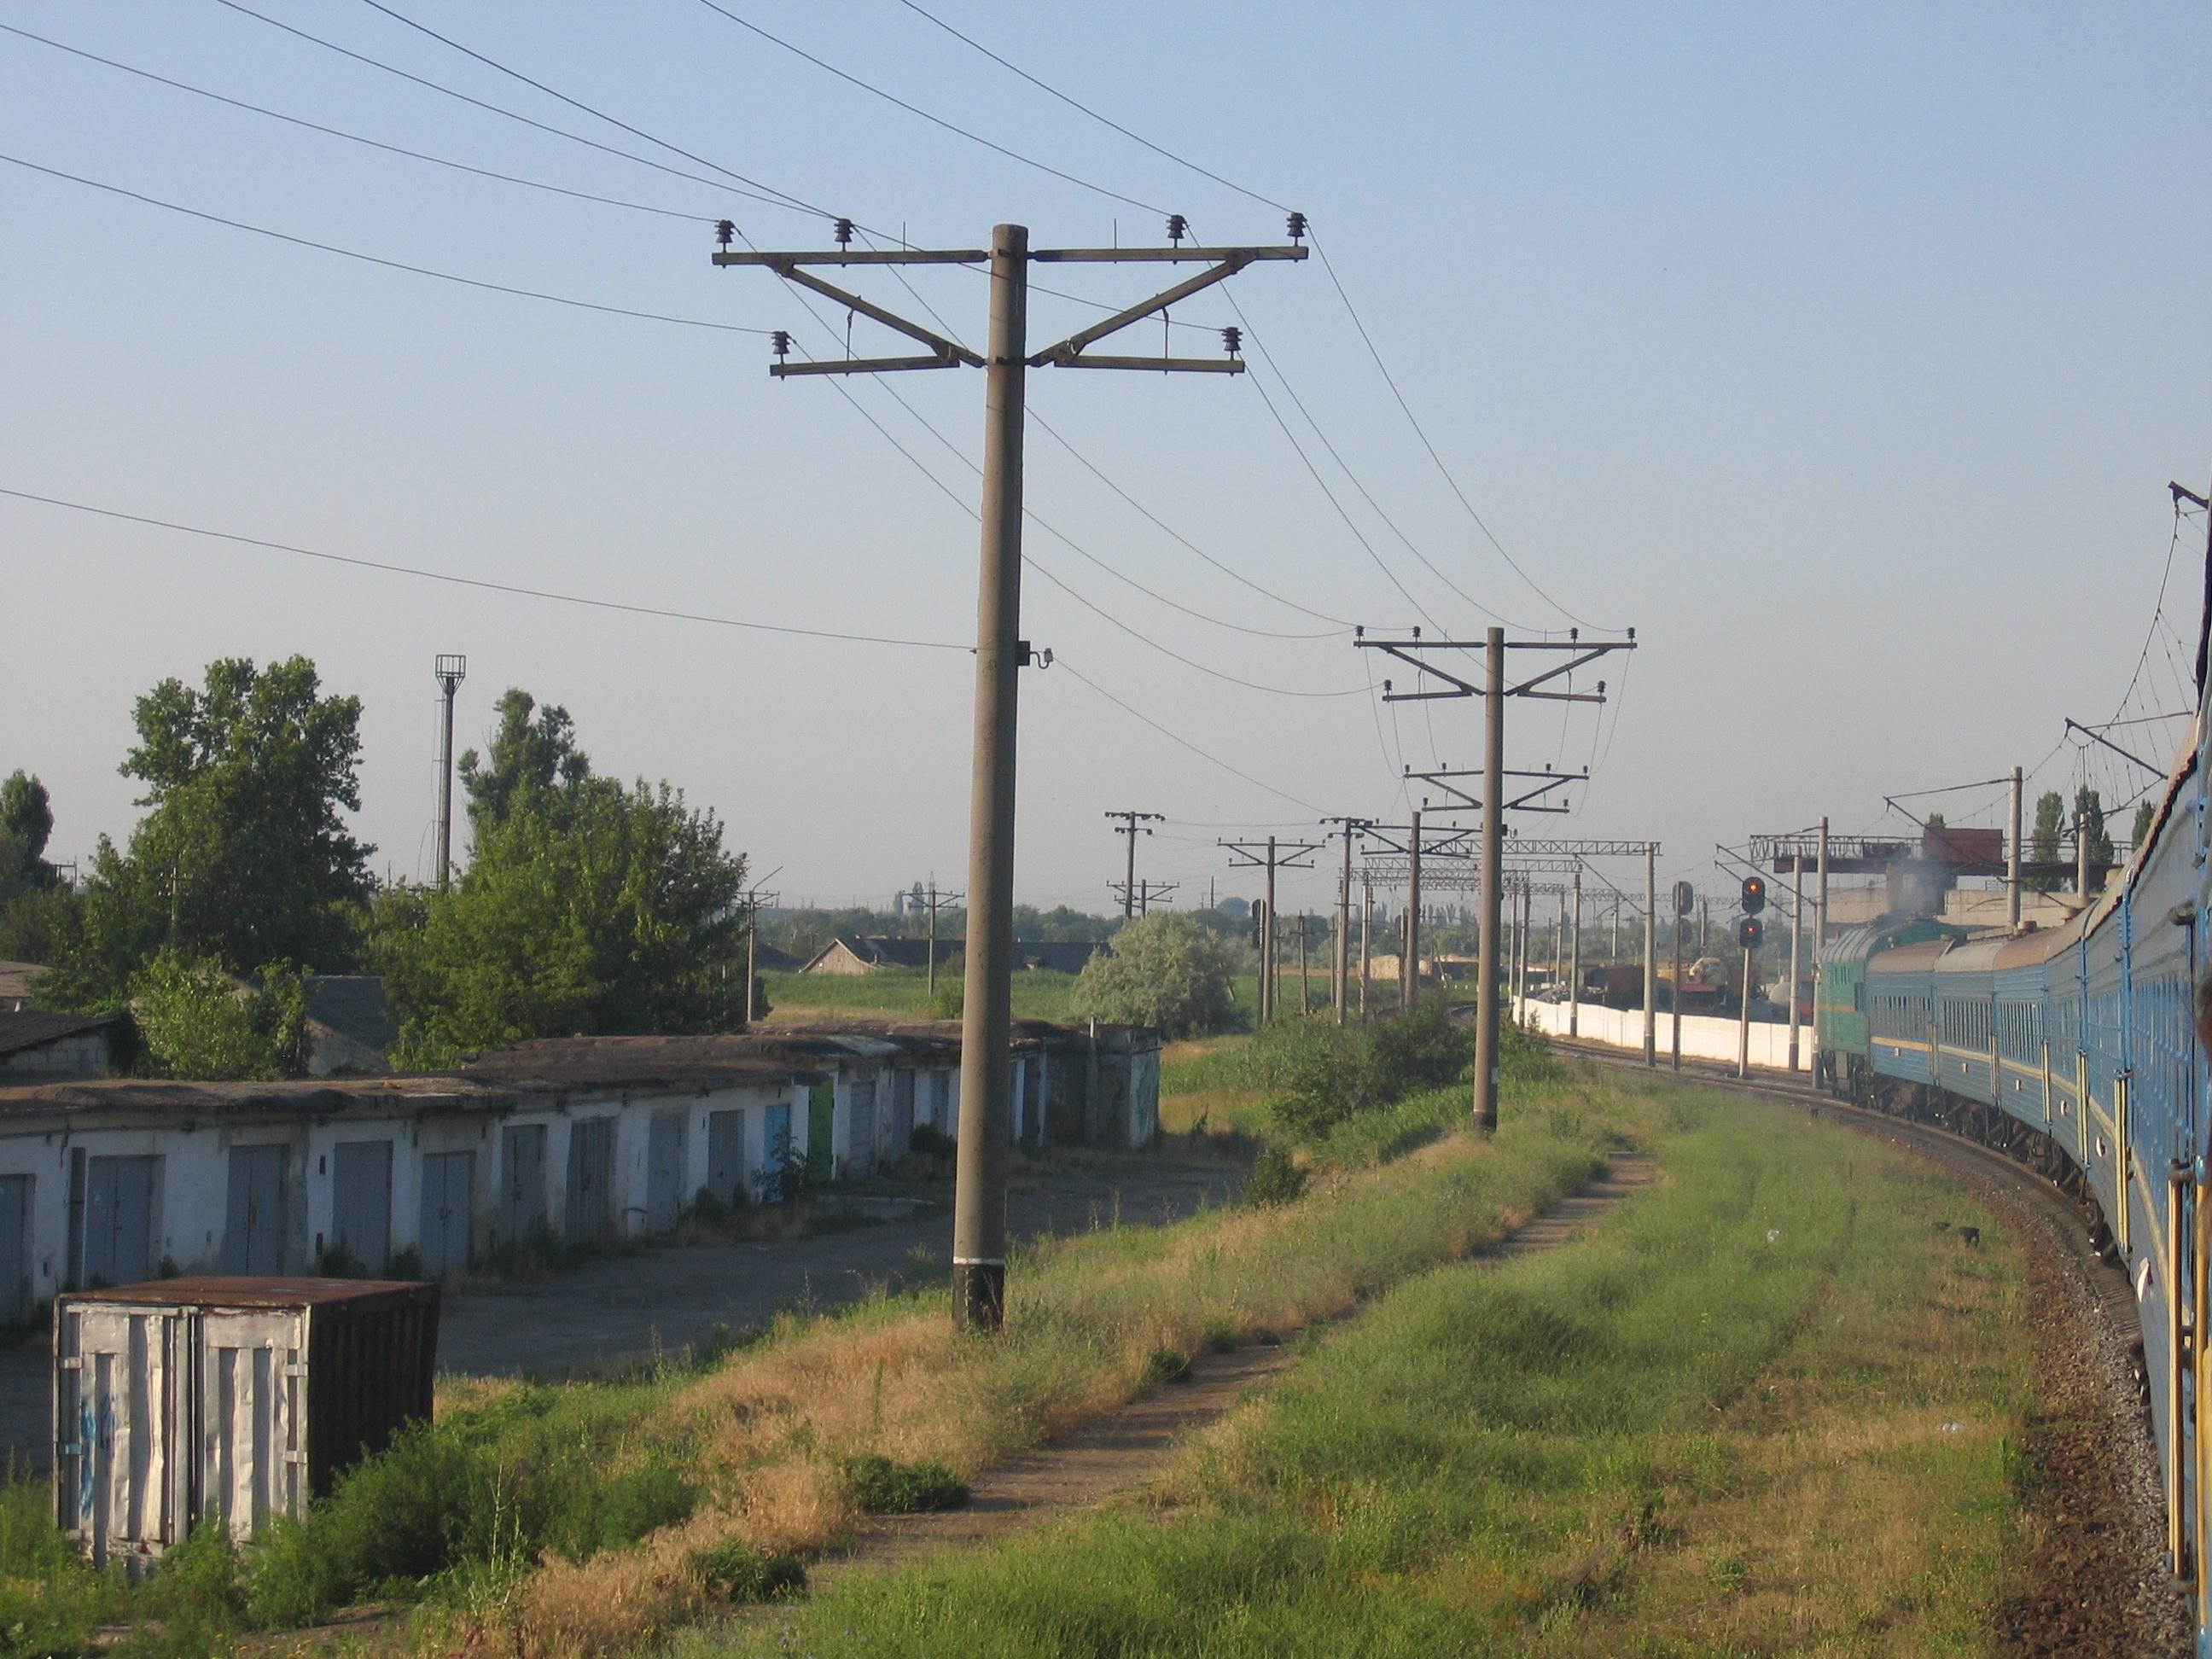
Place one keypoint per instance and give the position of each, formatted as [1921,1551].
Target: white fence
[1703,1036]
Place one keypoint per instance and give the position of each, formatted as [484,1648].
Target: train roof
[2032,949]
[1858,944]
[1909,958]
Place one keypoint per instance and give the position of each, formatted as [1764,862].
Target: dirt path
[1107,1457]
[627,1306]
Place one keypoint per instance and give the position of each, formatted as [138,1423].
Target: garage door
[360,1201]
[118,1219]
[253,1234]
[15,1249]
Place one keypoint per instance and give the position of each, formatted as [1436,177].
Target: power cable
[479,582]
[1042,86]
[1183,743]
[774,200]
[378,259]
[788,200]
[359,138]
[913,109]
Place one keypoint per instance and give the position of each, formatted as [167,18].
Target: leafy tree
[588,907]
[26,821]
[533,756]
[2089,816]
[1935,821]
[2043,844]
[2144,814]
[1165,971]
[33,926]
[196,1021]
[243,857]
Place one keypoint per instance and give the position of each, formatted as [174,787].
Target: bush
[932,1142]
[880,1485]
[1320,1076]
[734,1572]
[1276,1178]
[1166,971]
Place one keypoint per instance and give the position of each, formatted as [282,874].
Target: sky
[1844,353]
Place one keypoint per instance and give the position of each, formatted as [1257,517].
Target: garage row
[578,1141]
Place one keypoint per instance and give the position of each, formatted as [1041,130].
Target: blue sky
[1845,352]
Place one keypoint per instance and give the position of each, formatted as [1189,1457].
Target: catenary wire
[426,574]
[378,259]
[360,138]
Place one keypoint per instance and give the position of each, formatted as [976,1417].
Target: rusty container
[184,1399]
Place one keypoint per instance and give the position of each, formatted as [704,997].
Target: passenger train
[2076,1049]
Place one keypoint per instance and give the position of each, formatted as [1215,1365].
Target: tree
[32,926]
[2043,845]
[587,907]
[243,857]
[1164,970]
[2141,832]
[533,756]
[1935,821]
[2089,821]
[26,821]
[197,1021]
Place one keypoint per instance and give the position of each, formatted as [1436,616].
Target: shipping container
[239,1398]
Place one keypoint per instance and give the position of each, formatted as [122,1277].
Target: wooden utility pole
[754,898]
[449,671]
[1570,655]
[1271,855]
[1131,825]
[979,1217]
[1348,829]
[936,902]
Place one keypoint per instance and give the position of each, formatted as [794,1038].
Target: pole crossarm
[1580,652]
[1254,853]
[1531,847]
[1530,800]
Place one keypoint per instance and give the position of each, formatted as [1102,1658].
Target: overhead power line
[378,259]
[800,203]
[1182,742]
[425,574]
[869,86]
[775,200]
[1075,104]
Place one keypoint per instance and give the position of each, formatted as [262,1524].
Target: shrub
[730,1571]
[1167,971]
[932,1142]
[880,1485]
[1276,1178]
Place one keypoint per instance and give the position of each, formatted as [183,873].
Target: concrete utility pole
[1366,920]
[2081,853]
[1674,1000]
[753,899]
[1409,965]
[1274,854]
[1651,954]
[1305,938]
[1796,915]
[1820,927]
[1743,1019]
[978,1219]
[1131,825]
[1575,963]
[1573,652]
[2012,861]
[1348,829]
[449,672]
[936,902]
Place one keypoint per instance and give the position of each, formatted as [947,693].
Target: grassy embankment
[590,1517]
[1766,1407]
[904,994]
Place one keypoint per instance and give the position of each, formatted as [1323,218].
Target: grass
[1766,1408]
[587,1518]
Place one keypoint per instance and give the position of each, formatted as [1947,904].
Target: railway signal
[1749,932]
[1686,898]
[1754,895]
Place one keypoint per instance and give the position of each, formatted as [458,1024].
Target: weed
[734,1572]
[1276,1178]
[882,1486]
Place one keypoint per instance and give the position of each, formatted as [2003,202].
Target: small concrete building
[48,1048]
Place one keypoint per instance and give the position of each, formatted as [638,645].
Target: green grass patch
[1764,1407]
[883,1486]
[902,994]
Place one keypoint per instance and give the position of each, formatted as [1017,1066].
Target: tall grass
[1656,1441]
[902,994]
